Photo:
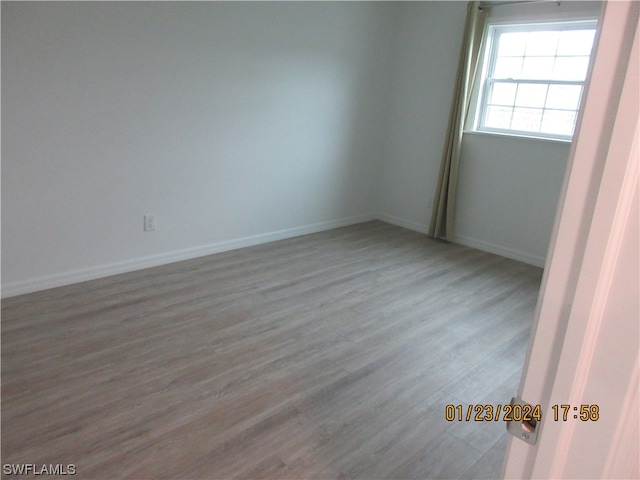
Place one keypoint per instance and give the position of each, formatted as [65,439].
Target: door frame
[599,192]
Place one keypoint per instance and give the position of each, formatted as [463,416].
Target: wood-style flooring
[331,355]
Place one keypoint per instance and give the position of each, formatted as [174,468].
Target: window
[534,78]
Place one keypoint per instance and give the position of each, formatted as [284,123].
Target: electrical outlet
[149,223]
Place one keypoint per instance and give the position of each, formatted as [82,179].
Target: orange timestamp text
[492,413]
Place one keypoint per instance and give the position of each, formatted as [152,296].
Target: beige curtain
[442,216]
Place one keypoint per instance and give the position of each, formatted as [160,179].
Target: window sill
[516,135]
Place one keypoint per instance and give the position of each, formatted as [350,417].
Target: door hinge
[524,422]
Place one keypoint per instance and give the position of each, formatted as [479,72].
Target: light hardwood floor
[331,355]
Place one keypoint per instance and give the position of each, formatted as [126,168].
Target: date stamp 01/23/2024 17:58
[476,413]
[517,413]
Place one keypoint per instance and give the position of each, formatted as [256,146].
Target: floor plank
[330,355]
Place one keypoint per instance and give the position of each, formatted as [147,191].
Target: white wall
[508,191]
[426,51]
[509,187]
[238,123]
[234,123]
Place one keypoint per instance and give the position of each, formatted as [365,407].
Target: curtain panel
[443,213]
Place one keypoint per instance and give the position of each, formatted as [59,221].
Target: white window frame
[490,52]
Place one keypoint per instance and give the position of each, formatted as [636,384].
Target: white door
[584,346]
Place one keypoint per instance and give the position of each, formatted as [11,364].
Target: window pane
[576,42]
[498,117]
[507,67]
[537,67]
[503,94]
[570,68]
[535,77]
[558,122]
[565,97]
[542,43]
[531,95]
[512,44]
[527,119]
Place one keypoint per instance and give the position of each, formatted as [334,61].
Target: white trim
[623,461]
[402,222]
[598,291]
[100,271]
[535,260]
[561,141]
[614,207]
[488,78]
[574,263]
[81,275]
[541,12]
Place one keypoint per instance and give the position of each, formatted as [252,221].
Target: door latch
[522,424]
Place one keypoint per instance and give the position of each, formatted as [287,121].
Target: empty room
[320,239]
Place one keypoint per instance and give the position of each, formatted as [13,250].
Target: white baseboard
[467,241]
[500,250]
[100,271]
[401,222]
